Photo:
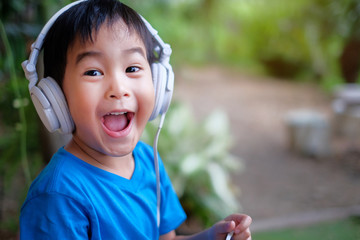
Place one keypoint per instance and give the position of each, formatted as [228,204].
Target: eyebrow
[83,55]
[136,50]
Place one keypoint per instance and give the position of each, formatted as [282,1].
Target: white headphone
[50,102]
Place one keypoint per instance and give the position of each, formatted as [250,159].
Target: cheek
[150,102]
[79,102]
[147,97]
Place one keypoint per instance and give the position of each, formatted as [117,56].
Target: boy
[102,185]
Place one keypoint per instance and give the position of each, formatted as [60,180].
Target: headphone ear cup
[51,106]
[159,79]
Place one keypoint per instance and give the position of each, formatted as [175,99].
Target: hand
[239,223]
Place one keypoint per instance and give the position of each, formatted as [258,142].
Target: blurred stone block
[346,106]
[308,133]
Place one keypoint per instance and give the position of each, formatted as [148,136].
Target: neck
[123,166]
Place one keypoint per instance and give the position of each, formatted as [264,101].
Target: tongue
[115,123]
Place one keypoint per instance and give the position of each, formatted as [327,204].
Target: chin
[119,150]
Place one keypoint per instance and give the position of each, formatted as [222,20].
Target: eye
[132,69]
[93,73]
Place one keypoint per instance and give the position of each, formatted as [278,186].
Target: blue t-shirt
[71,199]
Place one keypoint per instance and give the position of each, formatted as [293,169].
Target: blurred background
[265,117]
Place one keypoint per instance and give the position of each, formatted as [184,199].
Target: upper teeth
[117,113]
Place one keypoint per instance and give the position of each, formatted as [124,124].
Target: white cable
[229,235]
[156,163]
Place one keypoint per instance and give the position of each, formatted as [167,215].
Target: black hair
[82,20]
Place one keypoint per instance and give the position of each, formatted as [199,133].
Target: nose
[117,88]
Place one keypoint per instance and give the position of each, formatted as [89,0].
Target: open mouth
[117,121]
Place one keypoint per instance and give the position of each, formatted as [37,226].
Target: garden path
[275,183]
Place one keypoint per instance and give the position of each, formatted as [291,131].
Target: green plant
[196,156]
[20,156]
[18,103]
[14,140]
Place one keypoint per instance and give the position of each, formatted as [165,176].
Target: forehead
[115,32]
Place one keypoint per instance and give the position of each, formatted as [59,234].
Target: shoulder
[56,215]
[61,175]
[62,184]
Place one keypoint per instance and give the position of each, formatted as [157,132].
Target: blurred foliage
[303,39]
[197,159]
[20,146]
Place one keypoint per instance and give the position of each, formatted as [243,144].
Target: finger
[244,235]
[238,218]
[224,227]
[243,225]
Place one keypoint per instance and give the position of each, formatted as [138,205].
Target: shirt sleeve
[171,212]
[53,216]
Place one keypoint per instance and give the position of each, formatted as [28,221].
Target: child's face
[109,89]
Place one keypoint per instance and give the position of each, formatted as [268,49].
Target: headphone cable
[156,163]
